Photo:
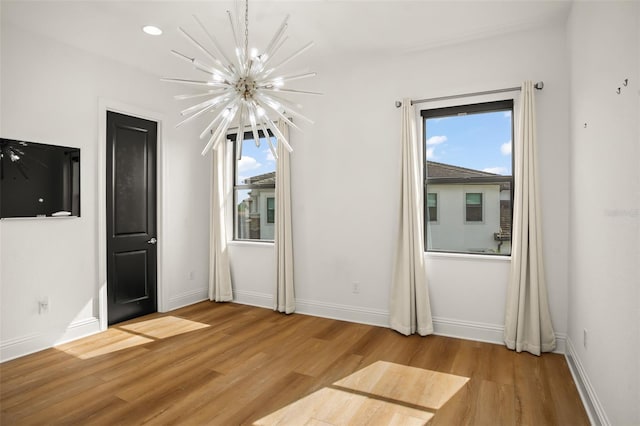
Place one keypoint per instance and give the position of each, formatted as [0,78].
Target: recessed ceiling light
[152,30]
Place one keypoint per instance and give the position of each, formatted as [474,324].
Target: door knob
[152,241]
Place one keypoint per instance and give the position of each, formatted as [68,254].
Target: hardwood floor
[228,364]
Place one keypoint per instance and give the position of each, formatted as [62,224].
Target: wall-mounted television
[38,180]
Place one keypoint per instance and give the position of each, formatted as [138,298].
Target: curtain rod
[539,85]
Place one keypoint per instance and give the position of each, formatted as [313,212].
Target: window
[271,210]
[432,207]
[254,189]
[473,207]
[469,181]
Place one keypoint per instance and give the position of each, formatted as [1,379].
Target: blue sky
[255,160]
[475,141]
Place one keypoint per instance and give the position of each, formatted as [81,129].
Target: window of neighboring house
[254,188]
[271,210]
[473,207]
[432,207]
[469,180]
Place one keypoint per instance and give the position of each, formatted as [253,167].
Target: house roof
[263,179]
[435,169]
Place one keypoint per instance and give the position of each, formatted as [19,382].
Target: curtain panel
[410,309]
[220,289]
[527,315]
[284,300]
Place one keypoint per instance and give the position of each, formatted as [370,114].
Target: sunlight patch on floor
[120,337]
[161,328]
[383,393]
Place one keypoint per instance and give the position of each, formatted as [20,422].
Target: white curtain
[527,317]
[410,309]
[284,298]
[219,270]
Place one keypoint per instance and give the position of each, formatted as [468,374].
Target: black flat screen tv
[38,180]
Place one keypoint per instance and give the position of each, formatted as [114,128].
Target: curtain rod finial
[539,85]
[398,104]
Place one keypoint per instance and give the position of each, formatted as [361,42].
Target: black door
[131,217]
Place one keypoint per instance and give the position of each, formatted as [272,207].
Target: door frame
[105,105]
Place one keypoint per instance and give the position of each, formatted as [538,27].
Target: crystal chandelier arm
[278,133]
[274,101]
[273,53]
[252,119]
[206,51]
[198,95]
[266,135]
[217,46]
[209,69]
[240,135]
[196,82]
[233,28]
[293,56]
[214,104]
[221,131]
[240,54]
[197,114]
[213,101]
[278,81]
[300,92]
[281,115]
[276,37]
[220,115]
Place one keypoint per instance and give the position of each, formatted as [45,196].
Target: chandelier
[244,90]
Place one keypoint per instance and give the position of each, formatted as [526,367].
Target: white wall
[345,172]
[51,94]
[604,43]
[345,180]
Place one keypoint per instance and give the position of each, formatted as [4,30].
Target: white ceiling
[113,28]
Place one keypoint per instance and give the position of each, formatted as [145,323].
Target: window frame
[488,106]
[248,136]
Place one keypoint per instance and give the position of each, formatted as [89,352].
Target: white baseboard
[481,332]
[35,342]
[590,399]
[490,333]
[186,299]
[253,298]
[348,313]
[469,330]
[318,309]
[78,329]
[24,345]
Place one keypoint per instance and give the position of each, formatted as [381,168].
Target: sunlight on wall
[384,393]
[129,335]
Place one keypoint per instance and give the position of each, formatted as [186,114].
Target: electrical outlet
[584,338]
[356,287]
[43,305]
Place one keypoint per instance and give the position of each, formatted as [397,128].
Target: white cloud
[430,153]
[505,148]
[269,155]
[507,114]
[496,170]
[435,120]
[436,140]
[248,163]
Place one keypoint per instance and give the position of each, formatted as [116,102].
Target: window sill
[467,256]
[245,243]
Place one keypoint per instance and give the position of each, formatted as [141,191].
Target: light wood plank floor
[228,364]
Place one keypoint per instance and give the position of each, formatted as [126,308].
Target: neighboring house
[256,213]
[467,210]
